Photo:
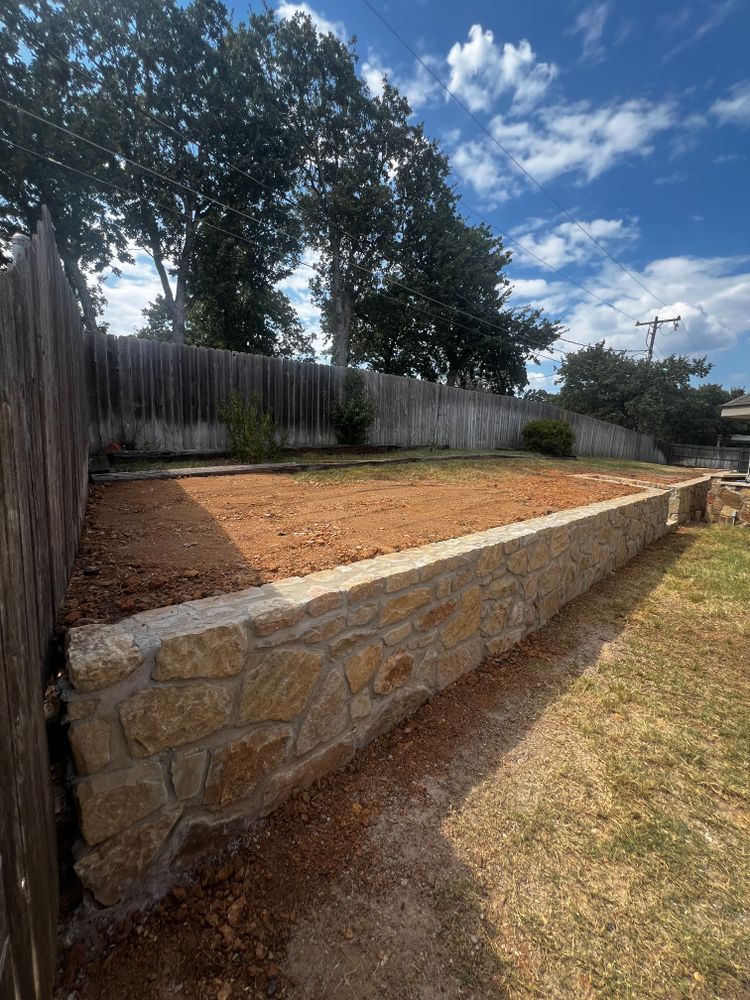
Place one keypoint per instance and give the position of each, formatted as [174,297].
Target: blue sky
[635,116]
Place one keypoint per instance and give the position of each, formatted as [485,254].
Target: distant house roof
[737,409]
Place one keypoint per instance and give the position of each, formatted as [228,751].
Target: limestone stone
[397,635]
[81,708]
[389,712]
[537,554]
[323,630]
[397,581]
[217,651]
[278,686]
[496,619]
[465,622]
[274,614]
[327,715]
[157,718]
[489,559]
[452,665]
[188,771]
[324,602]
[361,705]
[346,643]
[90,742]
[301,775]
[550,580]
[112,869]
[115,800]
[362,614]
[363,590]
[100,655]
[238,766]
[517,562]
[503,642]
[401,607]
[393,673]
[559,541]
[363,665]
[436,615]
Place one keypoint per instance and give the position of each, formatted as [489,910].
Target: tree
[36,39]
[441,311]
[655,398]
[351,144]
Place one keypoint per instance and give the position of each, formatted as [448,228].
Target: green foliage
[252,431]
[551,437]
[657,397]
[353,415]
[280,148]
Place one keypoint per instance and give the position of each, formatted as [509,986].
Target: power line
[91,76]
[562,274]
[500,146]
[295,259]
[252,218]
[76,68]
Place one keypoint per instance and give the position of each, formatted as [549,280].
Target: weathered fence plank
[190,383]
[45,390]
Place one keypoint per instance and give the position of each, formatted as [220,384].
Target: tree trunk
[451,377]
[341,309]
[83,293]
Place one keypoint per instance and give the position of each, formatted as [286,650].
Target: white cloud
[720,11]
[417,89]
[590,25]
[576,139]
[566,243]
[712,295]
[297,288]
[130,293]
[735,108]
[287,11]
[481,71]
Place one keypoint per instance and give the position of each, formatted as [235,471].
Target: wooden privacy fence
[145,395]
[43,486]
[706,456]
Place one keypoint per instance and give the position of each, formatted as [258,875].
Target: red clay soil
[154,543]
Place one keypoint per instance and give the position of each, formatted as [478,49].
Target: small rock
[348,933]
[260,951]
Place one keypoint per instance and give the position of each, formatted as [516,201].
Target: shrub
[353,415]
[252,431]
[552,437]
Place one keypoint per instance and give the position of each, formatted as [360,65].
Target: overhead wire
[90,75]
[298,261]
[245,215]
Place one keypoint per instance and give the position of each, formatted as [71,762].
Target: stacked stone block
[187,719]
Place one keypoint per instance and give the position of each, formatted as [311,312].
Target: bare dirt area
[568,821]
[153,543]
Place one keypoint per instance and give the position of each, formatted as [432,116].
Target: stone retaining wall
[188,719]
[688,500]
[728,503]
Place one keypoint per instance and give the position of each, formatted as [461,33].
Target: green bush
[552,437]
[252,431]
[353,415]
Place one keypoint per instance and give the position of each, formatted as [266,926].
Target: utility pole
[653,326]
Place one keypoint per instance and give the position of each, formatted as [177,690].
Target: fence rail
[146,395]
[43,487]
